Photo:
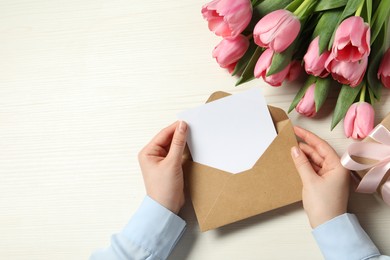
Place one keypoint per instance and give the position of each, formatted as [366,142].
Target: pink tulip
[349,73]
[307,105]
[384,69]
[231,67]
[230,50]
[277,30]
[295,71]
[352,40]
[359,120]
[263,65]
[315,63]
[227,18]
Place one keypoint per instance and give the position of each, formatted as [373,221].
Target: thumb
[305,170]
[178,142]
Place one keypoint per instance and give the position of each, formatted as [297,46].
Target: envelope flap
[205,184]
[217,95]
[277,114]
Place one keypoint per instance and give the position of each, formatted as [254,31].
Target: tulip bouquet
[340,41]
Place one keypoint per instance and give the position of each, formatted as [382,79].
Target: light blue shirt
[343,238]
[153,232]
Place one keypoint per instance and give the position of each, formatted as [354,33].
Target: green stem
[360,8]
[363,93]
[302,7]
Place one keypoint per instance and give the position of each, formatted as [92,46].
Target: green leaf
[349,9]
[346,97]
[321,91]
[268,6]
[248,73]
[368,11]
[372,96]
[304,11]
[378,48]
[294,5]
[243,62]
[375,5]
[255,2]
[380,17]
[325,28]
[301,92]
[324,5]
[281,60]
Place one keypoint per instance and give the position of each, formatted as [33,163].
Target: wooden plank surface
[83,86]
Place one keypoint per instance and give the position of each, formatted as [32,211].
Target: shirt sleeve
[152,233]
[343,238]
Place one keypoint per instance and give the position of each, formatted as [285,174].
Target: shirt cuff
[154,228]
[343,238]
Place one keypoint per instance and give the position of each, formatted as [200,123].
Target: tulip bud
[277,30]
[307,105]
[384,69]
[314,62]
[262,67]
[230,50]
[227,18]
[352,40]
[359,120]
[349,73]
[295,71]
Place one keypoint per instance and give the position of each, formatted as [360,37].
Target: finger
[303,166]
[158,146]
[164,137]
[311,154]
[316,168]
[321,146]
[178,142]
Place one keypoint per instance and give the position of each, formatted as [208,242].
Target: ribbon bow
[380,152]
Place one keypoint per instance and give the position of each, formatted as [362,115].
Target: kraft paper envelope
[220,197]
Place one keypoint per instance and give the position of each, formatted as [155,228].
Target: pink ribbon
[378,151]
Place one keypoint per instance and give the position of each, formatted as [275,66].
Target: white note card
[230,133]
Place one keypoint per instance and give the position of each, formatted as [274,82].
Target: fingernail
[182,127]
[295,151]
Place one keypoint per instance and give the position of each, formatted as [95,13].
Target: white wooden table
[84,85]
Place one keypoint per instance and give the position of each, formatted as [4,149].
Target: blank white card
[230,133]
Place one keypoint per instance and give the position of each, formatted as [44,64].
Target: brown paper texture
[220,198]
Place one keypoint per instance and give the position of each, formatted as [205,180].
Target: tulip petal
[286,34]
[295,71]
[384,69]
[352,40]
[277,79]
[227,18]
[230,50]
[306,105]
[349,73]
[364,122]
[349,120]
[263,63]
[277,30]
[315,63]
[267,23]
